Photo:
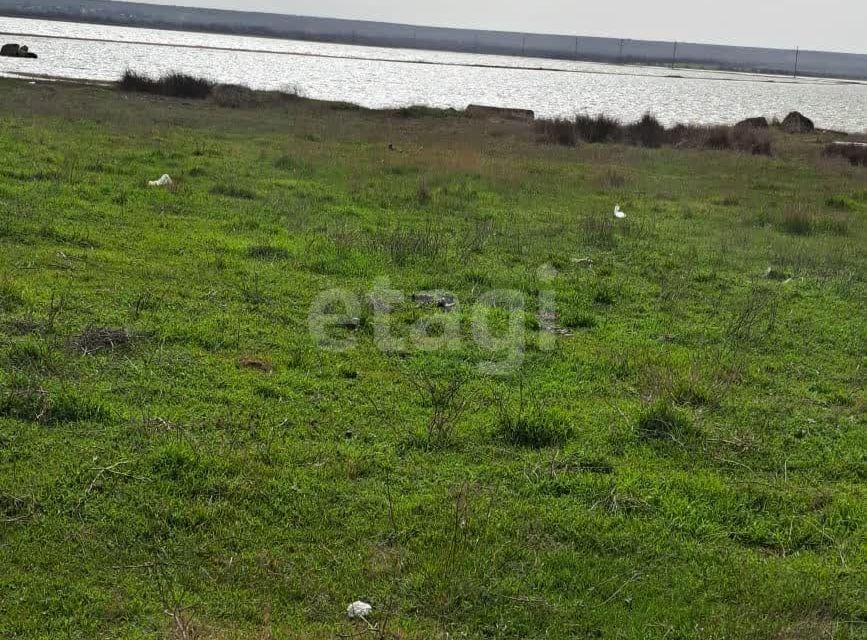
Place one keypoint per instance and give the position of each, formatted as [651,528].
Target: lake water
[380,77]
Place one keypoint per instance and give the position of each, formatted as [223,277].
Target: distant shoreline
[753,60]
[748,76]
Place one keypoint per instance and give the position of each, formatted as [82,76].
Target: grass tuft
[234,191]
[10,296]
[663,421]
[27,400]
[534,428]
[268,252]
[405,245]
[598,231]
[798,220]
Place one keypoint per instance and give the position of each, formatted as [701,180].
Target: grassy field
[675,447]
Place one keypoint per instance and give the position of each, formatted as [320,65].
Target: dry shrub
[609,178]
[834,223]
[559,131]
[181,85]
[856,154]
[463,160]
[176,85]
[598,129]
[448,399]
[756,319]
[797,220]
[743,138]
[715,138]
[404,245]
[423,191]
[134,81]
[647,132]
[234,96]
[749,139]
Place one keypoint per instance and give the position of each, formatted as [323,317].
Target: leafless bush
[756,318]
[448,399]
[559,131]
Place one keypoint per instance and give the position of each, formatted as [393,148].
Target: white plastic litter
[618,213]
[358,610]
[164,181]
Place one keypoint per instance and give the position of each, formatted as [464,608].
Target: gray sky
[834,25]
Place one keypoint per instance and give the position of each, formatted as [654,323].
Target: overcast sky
[836,25]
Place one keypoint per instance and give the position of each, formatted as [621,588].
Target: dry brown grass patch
[261,365]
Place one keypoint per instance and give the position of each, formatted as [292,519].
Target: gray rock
[16,51]
[797,122]
[755,123]
[443,300]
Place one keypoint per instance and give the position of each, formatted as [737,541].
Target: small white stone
[358,610]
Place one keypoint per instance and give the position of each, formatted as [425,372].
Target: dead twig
[101,472]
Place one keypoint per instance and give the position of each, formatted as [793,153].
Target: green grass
[692,463]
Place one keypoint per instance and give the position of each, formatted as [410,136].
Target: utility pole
[797,59]
[674,55]
[620,55]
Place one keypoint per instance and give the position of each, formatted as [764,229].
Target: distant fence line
[584,48]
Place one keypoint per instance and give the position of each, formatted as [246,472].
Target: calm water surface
[379,77]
